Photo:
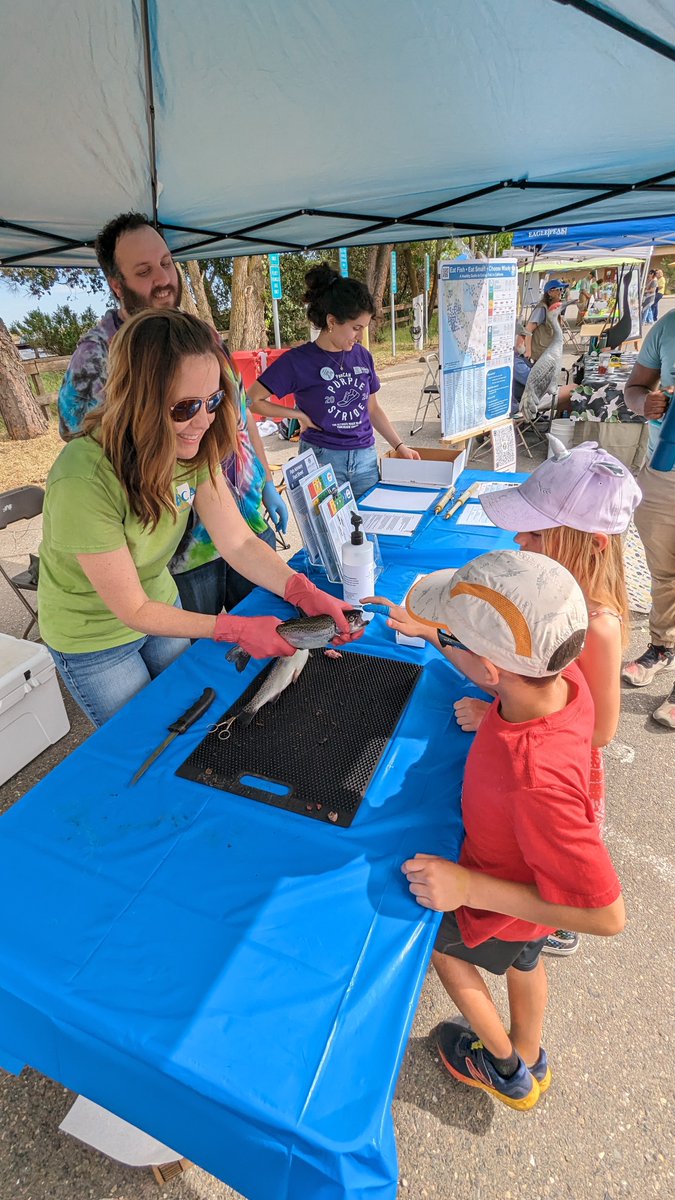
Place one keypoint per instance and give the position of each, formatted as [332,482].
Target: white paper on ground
[401,501]
[267,428]
[112,1136]
[485,487]
[394,524]
[474,514]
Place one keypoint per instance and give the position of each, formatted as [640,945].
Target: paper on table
[474,514]
[400,500]
[485,487]
[394,524]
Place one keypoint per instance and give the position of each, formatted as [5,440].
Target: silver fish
[284,672]
[305,633]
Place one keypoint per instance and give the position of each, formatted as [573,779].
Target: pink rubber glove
[315,603]
[256,635]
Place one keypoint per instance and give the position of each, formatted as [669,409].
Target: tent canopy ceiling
[246,126]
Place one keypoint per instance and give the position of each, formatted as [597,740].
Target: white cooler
[32,713]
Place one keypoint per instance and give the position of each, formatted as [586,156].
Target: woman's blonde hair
[598,572]
[134,424]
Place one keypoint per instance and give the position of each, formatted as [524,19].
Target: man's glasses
[185,410]
[446,639]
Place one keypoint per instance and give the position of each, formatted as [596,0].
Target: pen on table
[445,499]
[470,491]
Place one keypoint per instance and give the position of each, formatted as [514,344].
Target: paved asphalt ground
[604,1131]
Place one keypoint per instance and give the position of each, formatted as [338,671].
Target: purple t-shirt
[332,388]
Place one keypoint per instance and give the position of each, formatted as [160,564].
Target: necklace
[332,354]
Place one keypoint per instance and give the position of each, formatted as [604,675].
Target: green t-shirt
[86,511]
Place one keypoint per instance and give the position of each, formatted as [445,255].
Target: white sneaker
[665,713]
[643,669]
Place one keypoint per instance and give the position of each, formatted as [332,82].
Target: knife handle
[182,724]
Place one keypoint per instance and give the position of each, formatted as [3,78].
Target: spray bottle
[358,565]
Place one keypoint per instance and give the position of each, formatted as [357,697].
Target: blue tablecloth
[439,543]
[234,979]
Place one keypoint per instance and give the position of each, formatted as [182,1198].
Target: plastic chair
[22,504]
[430,393]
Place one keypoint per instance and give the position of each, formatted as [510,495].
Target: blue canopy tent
[246,126]
[612,235]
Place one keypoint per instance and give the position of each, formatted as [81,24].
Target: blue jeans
[215,586]
[101,681]
[358,467]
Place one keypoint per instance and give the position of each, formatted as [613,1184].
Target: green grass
[382,351]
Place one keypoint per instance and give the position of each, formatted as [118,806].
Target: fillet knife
[181,725]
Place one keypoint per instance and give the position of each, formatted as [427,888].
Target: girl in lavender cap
[574,508]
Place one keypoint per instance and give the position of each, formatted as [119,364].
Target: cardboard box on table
[32,713]
[433,469]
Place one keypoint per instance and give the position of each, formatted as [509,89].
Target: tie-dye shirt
[83,390]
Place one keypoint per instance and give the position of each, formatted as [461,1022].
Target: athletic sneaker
[542,1072]
[466,1059]
[665,713]
[562,942]
[643,669]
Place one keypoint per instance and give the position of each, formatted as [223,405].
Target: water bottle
[663,458]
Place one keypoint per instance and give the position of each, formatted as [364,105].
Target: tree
[247,316]
[22,415]
[58,332]
[19,409]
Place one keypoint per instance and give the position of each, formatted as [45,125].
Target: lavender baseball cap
[585,488]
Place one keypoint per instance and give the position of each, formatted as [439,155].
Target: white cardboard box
[433,469]
[32,713]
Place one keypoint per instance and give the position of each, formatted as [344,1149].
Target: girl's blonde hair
[599,573]
[134,424]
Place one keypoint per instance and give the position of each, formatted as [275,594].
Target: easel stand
[491,431]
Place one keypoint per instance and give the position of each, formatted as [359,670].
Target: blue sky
[14,304]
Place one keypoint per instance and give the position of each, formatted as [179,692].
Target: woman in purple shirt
[334,383]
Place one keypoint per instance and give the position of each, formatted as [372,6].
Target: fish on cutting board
[305,633]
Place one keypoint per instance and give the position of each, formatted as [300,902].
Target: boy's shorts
[494,955]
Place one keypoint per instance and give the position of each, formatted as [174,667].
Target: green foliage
[39,280]
[57,332]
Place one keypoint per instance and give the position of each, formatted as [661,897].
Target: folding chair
[430,393]
[22,504]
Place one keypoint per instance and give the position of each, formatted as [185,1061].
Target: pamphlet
[336,513]
[315,488]
[393,524]
[474,514]
[294,472]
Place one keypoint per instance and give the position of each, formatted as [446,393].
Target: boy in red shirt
[533,859]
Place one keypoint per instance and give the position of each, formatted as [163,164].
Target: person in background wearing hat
[538,333]
[648,392]
[532,858]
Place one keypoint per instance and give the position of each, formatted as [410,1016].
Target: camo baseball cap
[517,609]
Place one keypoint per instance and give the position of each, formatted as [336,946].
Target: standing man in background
[141,273]
[648,392]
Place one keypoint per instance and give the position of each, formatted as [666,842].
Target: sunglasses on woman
[185,410]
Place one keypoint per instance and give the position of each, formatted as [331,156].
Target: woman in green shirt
[117,503]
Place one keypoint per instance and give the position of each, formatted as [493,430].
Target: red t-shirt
[528,815]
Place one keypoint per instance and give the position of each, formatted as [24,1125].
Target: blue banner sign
[344,265]
[394,281]
[275,277]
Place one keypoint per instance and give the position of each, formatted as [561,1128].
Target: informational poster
[477,318]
